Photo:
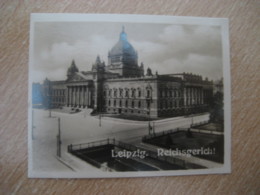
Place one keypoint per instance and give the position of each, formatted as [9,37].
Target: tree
[217,111]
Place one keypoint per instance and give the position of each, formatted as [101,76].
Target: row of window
[193,92]
[78,89]
[58,92]
[125,93]
[169,93]
[127,103]
[129,111]
[137,104]
[115,59]
[193,101]
[58,99]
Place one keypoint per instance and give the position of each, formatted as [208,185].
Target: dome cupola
[123,52]
[123,59]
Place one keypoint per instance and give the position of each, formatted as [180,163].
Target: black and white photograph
[128,96]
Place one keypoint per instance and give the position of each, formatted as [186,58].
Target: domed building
[123,58]
[121,87]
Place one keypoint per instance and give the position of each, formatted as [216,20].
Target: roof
[122,46]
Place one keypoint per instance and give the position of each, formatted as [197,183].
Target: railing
[158,134]
[167,132]
[199,123]
[73,147]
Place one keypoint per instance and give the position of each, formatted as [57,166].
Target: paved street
[83,128]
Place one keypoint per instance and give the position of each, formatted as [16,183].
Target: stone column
[202,98]
[79,96]
[71,96]
[86,96]
[83,95]
[67,100]
[189,96]
[81,99]
[184,97]
[89,99]
[195,94]
[199,96]
[192,96]
[74,96]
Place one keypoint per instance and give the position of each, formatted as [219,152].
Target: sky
[166,48]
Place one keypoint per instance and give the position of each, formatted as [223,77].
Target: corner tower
[123,58]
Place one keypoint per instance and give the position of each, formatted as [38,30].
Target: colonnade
[78,96]
[193,96]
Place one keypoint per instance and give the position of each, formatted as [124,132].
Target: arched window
[170,93]
[133,104]
[139,104]
[114,103]
[148,93]
[170,104]
[160,93]
[148,104]
[163,93]
[109,103]
[133,92]
[121,92]
[139,92]
[115,92]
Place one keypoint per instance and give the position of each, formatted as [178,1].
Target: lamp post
[149,100]
[33,127]
[49,100]
[59,140]
[100,119]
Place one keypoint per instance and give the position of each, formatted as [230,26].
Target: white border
[223,22]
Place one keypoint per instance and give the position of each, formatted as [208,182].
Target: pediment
[75,78]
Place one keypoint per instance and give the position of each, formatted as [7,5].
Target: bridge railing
[166,132]
[73,147]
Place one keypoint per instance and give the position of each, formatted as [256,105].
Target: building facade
[123,87]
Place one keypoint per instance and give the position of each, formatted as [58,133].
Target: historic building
[122,87]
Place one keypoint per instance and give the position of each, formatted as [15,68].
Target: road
[83,128]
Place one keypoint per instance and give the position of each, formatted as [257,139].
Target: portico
[79,95]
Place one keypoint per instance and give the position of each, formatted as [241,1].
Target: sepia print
[128,96]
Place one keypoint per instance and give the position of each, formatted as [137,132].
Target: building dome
[124,50]
[72,69]
[123,59]
[122,46]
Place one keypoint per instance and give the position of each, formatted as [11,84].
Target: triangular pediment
[76,77]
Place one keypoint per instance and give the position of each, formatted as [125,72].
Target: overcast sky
[165,48]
